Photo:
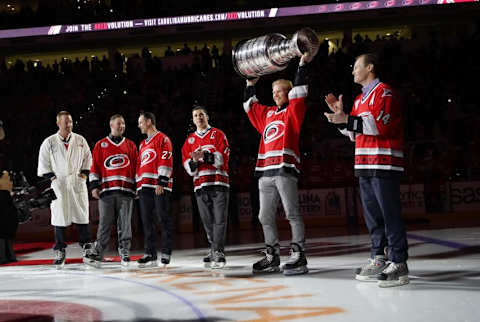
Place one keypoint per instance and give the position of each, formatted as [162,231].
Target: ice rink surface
[444,286]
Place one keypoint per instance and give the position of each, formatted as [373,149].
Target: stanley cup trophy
[272,52]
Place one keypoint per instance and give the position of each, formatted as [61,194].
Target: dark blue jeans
[382,209]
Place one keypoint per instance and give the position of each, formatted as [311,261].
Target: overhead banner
[220,17]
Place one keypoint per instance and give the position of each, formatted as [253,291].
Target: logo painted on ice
[116,161]
[147,156]
[273,131]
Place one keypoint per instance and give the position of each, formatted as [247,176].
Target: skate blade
[275,269]
[58,267]
[296,271]
[218,265]
[149,264]
[207,265]
[125,264]
[92,263]
[403,280]
[364,278]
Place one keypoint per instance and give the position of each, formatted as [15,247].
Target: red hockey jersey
[214,141]
[280,131]
[380,145]
[114,165]
[155,163]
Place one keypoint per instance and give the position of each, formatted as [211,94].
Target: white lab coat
[71,205]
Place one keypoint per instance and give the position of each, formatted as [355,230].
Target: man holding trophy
[279,156]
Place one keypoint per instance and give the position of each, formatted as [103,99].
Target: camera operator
[8,220]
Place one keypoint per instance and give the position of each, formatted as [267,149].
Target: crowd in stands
[442,124]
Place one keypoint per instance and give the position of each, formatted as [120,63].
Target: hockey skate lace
[124,252]
[218,254]
[390,268]
[58,255]
[268,257]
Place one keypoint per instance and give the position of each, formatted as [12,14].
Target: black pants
[382,209]
[7,255]
[83,236]
[154,207]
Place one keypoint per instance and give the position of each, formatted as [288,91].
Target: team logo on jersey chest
[147,156]
[104,144]
[270,113]
[273,131]
[191,140]
[116,161]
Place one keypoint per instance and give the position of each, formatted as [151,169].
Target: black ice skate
[297,263]
[147,261]
[270,263]
[124,257]
[59,260]
[396,274]
[207,260]
[219,260]
[93,259]
[165,259]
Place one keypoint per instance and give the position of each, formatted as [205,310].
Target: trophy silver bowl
[271,53]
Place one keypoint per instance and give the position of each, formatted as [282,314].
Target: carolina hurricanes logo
[407,2]
[356,5]
[270,113]
[339,7]
[372,4]
[273,131]
[389,3]
[147,156]
[191,140]
[116,161]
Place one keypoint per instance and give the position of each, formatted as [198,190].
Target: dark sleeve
[301,76]
[163,181]
[248,92]
[85,172]
[193,165]
[94,184]
[49,175]
[355,124]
